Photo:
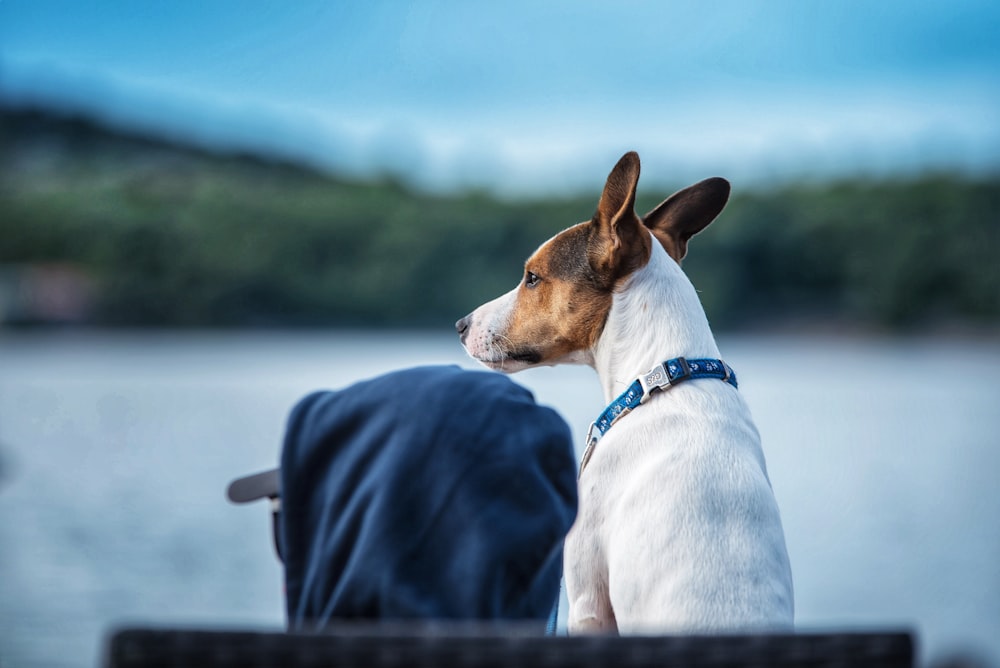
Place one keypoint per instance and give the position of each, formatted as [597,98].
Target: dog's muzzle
[462,327]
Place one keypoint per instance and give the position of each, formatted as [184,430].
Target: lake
[116,448]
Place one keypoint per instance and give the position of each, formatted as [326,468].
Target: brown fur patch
[564,307]
[686,213]
[567,309]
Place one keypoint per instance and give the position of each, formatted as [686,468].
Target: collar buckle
[656,378]
[663,376]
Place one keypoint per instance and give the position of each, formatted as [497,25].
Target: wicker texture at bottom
[371,648]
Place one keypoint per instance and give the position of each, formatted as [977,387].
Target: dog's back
[680,508]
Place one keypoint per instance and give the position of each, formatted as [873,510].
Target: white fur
[491,320]
[678,529]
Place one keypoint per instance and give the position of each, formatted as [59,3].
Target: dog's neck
[655,315]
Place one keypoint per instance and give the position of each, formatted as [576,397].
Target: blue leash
[550,625]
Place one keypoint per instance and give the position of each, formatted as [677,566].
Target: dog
[678,529]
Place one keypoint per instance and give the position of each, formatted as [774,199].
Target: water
[115,450]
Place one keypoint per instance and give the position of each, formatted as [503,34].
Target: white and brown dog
[678,529]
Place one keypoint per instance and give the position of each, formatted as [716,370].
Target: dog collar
[661,377]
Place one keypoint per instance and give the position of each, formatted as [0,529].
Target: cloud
[751,135]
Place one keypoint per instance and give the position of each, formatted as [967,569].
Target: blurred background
[208,210]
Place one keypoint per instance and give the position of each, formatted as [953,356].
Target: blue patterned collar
[661,377]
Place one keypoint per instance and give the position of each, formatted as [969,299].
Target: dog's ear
[624,246]
[686,213]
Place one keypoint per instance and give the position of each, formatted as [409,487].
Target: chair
[496,646]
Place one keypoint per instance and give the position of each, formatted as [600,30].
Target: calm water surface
[115,450]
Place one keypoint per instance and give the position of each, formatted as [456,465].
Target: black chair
[496,645]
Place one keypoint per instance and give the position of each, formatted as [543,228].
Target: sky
[528,97]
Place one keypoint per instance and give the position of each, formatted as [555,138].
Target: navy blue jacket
[432,493]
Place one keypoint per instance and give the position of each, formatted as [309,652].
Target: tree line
[176,236]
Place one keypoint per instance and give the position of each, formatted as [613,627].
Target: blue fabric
[433,493]
[678,370]
[551,625]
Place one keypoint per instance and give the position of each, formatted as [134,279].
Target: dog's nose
[462,327]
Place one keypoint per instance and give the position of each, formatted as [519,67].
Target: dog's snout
[462,327]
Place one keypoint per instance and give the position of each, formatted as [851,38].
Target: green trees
[891,253]
[173,236]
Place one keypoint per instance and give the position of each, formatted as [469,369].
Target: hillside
[161,234]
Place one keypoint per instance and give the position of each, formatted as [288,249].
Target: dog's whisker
[501,351]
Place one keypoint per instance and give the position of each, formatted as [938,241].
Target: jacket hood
[433,493]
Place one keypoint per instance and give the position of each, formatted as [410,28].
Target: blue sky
[532,96]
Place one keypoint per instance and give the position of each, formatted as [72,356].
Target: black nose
[462,327]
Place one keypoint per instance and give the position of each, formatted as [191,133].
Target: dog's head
[558,310]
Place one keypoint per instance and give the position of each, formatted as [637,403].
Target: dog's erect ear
[618,197]
[624,246]
[686,213]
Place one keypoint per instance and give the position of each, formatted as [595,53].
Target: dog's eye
[530,279]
